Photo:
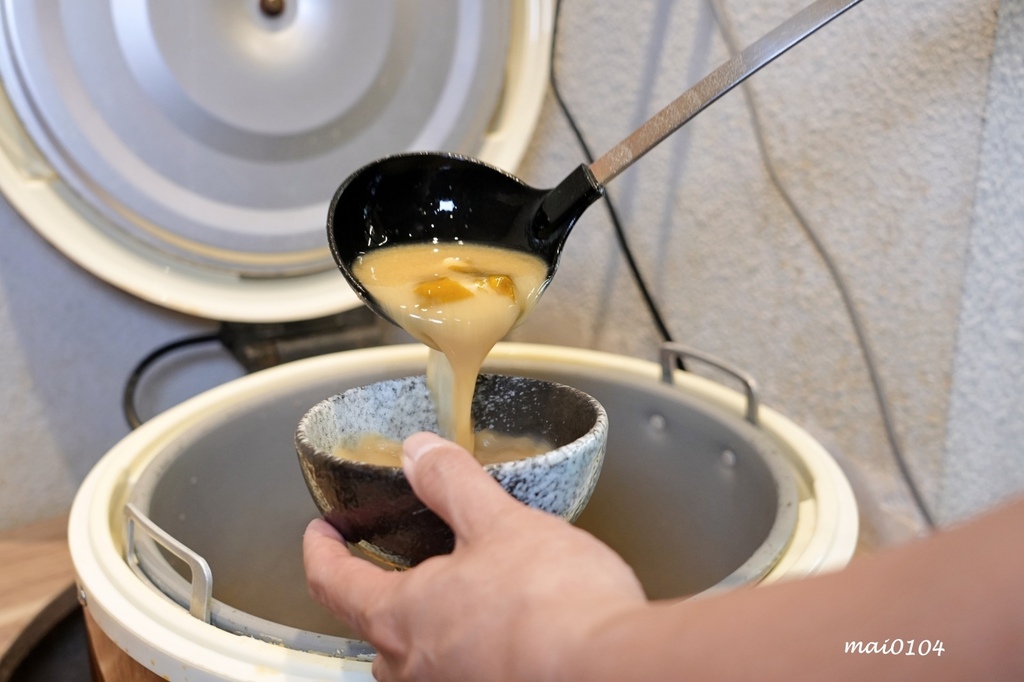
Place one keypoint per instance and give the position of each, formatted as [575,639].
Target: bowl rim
[598,431]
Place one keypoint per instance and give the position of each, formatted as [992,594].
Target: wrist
[598,650]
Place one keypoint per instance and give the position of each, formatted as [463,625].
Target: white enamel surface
[167,640]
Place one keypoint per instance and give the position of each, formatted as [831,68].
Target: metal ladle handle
[714,85]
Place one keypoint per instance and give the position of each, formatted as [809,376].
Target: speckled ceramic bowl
[373,506]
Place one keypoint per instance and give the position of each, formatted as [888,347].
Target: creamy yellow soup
[489,447]
[459,300]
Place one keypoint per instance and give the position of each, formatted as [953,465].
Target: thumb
[453,484]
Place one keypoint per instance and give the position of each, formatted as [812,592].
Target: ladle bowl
[436,197]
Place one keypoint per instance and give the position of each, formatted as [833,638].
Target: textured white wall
[985,438]
[67,343]
[876,126]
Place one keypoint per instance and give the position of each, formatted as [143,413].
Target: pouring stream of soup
[459,300]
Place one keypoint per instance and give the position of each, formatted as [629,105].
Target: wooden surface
[35,569]
[111,664]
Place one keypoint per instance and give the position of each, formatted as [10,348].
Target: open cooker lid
[186,151]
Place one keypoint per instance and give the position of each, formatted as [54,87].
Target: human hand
[519,593]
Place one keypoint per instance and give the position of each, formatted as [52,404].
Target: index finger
[345,584]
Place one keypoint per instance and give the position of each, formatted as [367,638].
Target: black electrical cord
[817,243]
[840,283]
[131,414]
[620,233]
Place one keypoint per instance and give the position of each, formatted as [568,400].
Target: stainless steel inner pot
[693,497]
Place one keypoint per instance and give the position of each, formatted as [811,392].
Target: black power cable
[811,234]
[131,413]
[620,233]
[259,345]
[840,283]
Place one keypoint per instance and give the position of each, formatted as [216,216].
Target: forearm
[960,587]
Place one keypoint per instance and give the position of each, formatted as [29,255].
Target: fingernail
[419,444]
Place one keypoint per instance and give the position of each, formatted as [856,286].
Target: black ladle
[437,197]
